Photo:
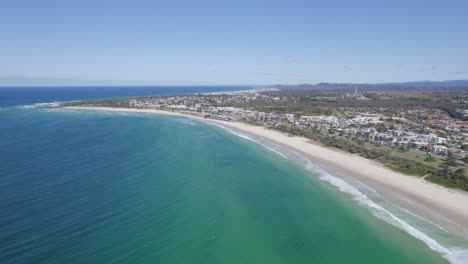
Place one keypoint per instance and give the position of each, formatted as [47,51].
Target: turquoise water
[98,187]
[89,187]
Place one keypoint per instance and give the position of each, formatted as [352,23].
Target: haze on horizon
[246,42]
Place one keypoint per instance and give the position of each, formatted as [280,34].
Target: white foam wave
[40,105]
[420,218]
[253,140]
[454,255]
[272,149]
[187,121]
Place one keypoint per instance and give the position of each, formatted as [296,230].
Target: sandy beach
[452,204]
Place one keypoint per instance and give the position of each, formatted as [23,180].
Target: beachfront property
[425,130]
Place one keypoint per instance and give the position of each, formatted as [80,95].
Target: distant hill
[429,85]
[450,83]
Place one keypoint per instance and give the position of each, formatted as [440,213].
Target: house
[438,149]
[289,117]
[438,140]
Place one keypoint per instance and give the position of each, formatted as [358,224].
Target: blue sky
[232,42]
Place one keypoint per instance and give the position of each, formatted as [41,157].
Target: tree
[429,159]
[451,160]
[402,148]
[444,171]
[465,159]
[381,128]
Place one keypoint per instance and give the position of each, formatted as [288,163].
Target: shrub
[429,159]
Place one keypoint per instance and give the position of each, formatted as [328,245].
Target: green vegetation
[407,161]
[429,159]
[450,160]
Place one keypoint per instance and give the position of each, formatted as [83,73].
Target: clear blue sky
[233,42]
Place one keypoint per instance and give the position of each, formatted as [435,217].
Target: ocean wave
[453,254]
[40,105]
[420,217]
[187,121]
[253,140]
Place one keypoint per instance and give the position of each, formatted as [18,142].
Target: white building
[438,149]
[438,140]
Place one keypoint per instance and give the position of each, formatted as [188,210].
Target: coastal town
[417,140]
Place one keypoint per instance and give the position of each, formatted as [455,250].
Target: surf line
[375,209]
[251,139]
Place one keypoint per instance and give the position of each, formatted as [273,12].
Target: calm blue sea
[11,96]
[101,187]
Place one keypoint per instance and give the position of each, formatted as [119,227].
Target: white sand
[452,204]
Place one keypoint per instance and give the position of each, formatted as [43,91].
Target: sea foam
[381,212]
[40,105]
[253,140]
[453,255]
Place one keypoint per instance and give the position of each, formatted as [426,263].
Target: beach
[449,203]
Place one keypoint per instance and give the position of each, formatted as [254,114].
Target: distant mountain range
[430,85]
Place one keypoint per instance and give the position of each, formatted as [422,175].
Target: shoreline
[449,203]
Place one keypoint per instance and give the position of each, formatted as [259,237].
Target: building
[438,149]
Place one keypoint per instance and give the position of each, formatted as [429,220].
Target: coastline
[450,203]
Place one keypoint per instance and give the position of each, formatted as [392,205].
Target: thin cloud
[465,71]
[346,68]
[273,74]
[264,73]
[63,81]
[293,74]
[291,60]
[427,69]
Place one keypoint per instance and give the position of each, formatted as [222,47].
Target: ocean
[102,187]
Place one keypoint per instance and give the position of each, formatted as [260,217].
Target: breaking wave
[253,140]
[40,105]
[453,255]
[385,215]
